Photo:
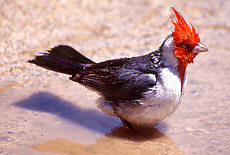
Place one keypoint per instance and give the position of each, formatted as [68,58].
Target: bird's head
[182,46]
[186,40]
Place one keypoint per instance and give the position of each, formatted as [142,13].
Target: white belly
[161,101]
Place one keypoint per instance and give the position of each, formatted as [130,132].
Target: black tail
[63,59]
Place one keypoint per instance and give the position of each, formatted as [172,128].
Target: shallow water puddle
[119,141]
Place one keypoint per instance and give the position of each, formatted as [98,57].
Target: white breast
[171,84]
[162,100]
[158,103]
[168,89]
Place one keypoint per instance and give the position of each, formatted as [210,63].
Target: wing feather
[120,79]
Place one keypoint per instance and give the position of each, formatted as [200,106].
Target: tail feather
[63,59]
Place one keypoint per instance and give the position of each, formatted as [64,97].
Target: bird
[141,90]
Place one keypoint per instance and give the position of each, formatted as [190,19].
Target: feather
[63,59]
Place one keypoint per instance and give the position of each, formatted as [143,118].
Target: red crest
[183,32]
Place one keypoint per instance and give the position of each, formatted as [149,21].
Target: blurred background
[41,111]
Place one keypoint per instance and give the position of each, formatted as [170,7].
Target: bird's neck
[181,69]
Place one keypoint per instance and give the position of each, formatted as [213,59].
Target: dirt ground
[42,112]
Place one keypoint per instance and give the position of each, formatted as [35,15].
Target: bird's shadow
[92,119]
[49,103]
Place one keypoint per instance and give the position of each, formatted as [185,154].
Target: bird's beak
[199,48]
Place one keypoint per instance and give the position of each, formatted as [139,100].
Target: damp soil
[42,112]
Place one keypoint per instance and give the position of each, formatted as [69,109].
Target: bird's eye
[185,45]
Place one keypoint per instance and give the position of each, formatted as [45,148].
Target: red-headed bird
[139,90]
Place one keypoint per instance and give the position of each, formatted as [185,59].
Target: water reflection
[120,140]
[140,134]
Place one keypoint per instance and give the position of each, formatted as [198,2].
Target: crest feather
[183,32]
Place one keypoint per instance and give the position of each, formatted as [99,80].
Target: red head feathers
[184,32]
[185,39]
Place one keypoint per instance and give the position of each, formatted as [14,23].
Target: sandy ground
[42,112]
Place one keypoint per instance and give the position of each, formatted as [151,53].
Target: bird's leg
[129,125]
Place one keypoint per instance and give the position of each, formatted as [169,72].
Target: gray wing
[119,84]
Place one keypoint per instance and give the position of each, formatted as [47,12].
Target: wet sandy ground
[42,112]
